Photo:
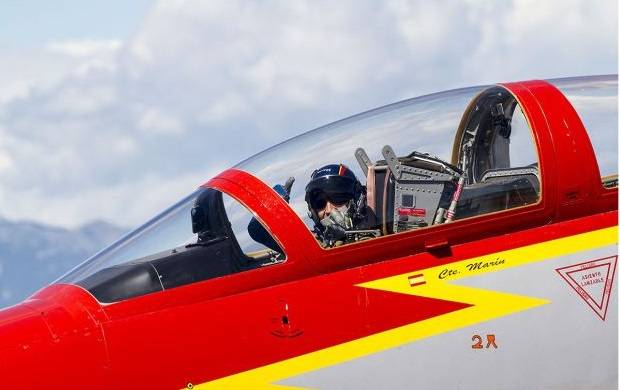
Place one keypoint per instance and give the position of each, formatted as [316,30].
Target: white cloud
[129,203]
[156,121]
[81,99]
[26,70]
[22,70]
[89,126]
[85,48]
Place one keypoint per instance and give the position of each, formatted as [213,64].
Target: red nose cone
[53,341]
[25,342]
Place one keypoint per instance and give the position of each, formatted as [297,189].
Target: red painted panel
[53,341]
[219,337]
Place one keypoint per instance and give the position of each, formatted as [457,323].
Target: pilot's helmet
[337,184]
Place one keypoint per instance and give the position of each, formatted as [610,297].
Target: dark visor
[336,189]
[318,199]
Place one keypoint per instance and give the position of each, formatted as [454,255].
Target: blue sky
[113,110]
[31,23]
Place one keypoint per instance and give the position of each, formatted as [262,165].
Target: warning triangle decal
[593,281]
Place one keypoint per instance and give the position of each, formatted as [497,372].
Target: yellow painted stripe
[487,305]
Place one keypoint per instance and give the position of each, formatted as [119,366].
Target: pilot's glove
[257,231]
[335,233]
[285,190]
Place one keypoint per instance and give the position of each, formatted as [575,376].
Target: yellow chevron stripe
[487,305]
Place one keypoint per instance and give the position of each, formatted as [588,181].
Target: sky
[113,110]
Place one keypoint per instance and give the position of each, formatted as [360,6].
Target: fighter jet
[475,248]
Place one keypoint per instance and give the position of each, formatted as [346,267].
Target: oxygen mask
[338,216]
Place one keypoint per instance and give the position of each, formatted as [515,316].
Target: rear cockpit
[420,190]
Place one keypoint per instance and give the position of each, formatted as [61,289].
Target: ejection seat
[499,189]
[405,193]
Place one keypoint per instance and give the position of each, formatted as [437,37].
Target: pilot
[337,205]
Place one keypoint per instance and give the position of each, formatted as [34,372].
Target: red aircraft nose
[23,335]
[52,341]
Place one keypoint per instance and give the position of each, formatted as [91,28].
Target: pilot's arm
[256,229]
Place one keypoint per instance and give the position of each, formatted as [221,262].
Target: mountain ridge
[33,254]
